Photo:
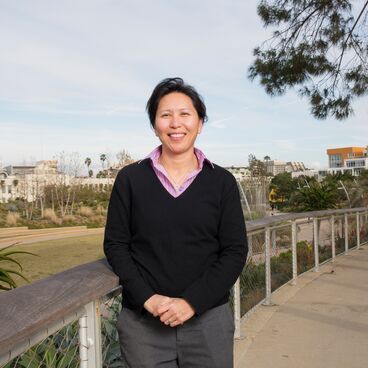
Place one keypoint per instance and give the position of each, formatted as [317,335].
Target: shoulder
[221,174]
[134,169]
[219,179]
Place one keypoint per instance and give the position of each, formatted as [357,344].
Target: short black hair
[170,85]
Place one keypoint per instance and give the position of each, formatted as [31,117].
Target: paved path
[321,322]
[37,235]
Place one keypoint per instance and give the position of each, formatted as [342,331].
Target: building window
[335,161]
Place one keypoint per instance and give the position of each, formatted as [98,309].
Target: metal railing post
[94,334]
[250,246]
[340,227]
[268,266]
[358,229]
[83,343]
[333,244]
[346,233]
[316,243]
[294,252]
[90,348]
[237,311]
[273,241]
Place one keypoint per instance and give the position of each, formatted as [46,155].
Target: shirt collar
[156,153]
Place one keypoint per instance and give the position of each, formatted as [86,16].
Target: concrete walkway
[321,322]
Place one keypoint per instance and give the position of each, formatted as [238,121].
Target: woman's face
[177,123]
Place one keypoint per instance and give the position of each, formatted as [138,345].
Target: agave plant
[7,281]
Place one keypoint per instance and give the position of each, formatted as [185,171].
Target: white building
[275,167]
[350,160]
[240,173]
[29,181]
[293,166]
[317,174]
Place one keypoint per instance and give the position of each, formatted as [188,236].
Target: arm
[218,279]
[117,242]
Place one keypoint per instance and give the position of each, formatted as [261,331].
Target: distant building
[240,172]
[275,167]
[317,174]
[350,160]
[293,166]
[6,186]
[28,181]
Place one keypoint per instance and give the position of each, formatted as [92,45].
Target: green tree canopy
[314,197]
[319,47]
[284,184]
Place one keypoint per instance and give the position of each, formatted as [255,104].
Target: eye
[164,115]
[185,113]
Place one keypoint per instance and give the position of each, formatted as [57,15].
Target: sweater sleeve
[218,279]
[117,243]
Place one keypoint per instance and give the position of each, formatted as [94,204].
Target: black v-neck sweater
[193,246]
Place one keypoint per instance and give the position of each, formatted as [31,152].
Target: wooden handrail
[31,308]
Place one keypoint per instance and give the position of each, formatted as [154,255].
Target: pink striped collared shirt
[164,177]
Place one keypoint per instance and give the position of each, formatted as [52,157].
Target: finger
[177,319]
[183,318]
[167,318]
[165,302]
[176,323]
[163,308]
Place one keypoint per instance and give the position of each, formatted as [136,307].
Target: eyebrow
[181,109]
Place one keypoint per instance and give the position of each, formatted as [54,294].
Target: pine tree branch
[344,45]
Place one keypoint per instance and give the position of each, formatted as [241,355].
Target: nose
[175,121]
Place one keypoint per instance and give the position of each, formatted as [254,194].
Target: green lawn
[54,256]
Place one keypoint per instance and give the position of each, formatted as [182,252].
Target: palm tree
[88,162]
[103,158]
[315,197]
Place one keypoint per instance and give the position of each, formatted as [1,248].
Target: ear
[200,126]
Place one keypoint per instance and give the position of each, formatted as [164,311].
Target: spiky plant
[7,281]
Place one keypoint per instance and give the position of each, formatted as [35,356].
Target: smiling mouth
[176,135]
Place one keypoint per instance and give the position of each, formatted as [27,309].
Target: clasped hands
[172,311]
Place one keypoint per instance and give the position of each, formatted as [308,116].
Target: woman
[175,236]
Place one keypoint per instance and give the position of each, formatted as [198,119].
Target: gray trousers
[204,341]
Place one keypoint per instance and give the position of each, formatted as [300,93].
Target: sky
[75,76]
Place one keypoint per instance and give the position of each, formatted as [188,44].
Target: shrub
[12,218]
[49,214]
[69,219]
[96,221]
[101,210]
[86,211]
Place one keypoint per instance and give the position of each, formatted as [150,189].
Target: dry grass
[97,219]
[69,218]
[58,255]
[12,218]
[101,210]
[49,214]
[86,211]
